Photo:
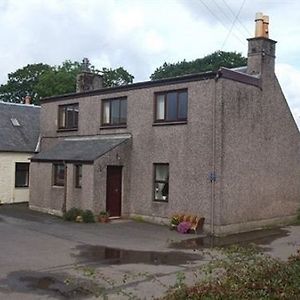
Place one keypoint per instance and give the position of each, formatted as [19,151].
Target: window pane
[105,113]
[59,174]
[161,172]
[161,191]
[78,175]
[62,117]
[171,106]
[160,107]
[76,110]
[123,113]
[115,111]
[182,105]
[70,117]
[22,175]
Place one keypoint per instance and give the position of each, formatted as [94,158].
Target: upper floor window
[68,116]
[59,174]
[114,112]
[22,175]
[171,106]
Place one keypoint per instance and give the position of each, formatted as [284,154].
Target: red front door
[114,190]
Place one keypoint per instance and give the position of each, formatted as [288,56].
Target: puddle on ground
[60,286]
[106,255]
[259,237]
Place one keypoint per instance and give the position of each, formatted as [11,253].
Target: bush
[72,214]
[88,216]
[245,273]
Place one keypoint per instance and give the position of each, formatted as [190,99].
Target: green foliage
[58,80]
[116,77]
[211,62]
[104,213]
[41,80]
[245,274]
[88,216]
[72,214]
[138,219]
[22,83]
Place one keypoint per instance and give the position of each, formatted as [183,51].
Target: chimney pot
[27,100]
[261,25]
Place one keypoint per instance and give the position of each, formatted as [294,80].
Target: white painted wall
[8,192]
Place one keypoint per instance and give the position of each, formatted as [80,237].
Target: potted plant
[174,222]
[103,216]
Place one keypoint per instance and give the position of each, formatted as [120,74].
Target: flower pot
[103,219]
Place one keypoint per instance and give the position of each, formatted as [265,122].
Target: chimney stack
[261,49]
[87,80]
[27,100]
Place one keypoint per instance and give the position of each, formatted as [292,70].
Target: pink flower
[184,227]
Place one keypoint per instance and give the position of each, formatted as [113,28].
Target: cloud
[289,78]
[142,35]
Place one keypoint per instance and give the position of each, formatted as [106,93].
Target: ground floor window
[22,175]
[78,176]
[161,182]
[58,174]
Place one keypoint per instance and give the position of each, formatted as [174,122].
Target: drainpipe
[213,171]
[64,207]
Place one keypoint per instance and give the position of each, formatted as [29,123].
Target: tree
[62,79]
[40,80]
[58,80]
[116,77]
[211,62]
[22,82]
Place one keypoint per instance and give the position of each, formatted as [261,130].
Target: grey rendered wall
[259,156]
[44,196]
[187,148]
[119,156]
[80,197]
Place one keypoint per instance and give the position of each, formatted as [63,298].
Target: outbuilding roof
[85,150]
[19,127]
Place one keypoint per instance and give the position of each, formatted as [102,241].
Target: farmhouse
[222,145]
[19,136]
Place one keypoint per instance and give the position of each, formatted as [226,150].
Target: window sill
[22,187]
[160,201]
[58,186]
[112,126]
[66,129]
[169,123]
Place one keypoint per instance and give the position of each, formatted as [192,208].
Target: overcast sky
[141,35]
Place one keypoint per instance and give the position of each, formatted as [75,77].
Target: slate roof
[84,150]
[23,138]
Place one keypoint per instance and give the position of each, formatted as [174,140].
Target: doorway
[114,190]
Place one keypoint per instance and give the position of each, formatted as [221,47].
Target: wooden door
[114,190]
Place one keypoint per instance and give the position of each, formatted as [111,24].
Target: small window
[78,176]
[171,106]
[22,175]
[161,182]
[68,116]
[114,112]
[59,174]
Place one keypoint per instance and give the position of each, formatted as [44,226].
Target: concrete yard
[43,257]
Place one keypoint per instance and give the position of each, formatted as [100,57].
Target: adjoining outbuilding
[19,139]
[222,145]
